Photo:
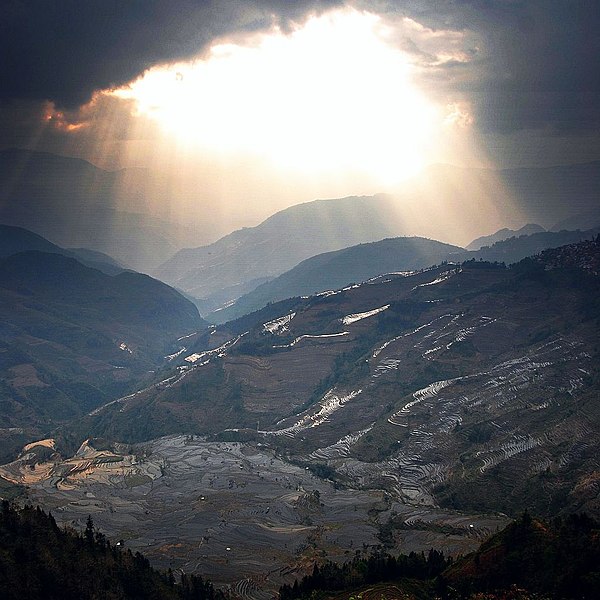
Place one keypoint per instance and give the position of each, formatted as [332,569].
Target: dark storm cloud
[535,63]
[65,50]
[526,64]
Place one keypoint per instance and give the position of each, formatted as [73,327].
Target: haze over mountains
[74,203]
[219,273]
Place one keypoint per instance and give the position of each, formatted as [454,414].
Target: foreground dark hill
[334,270]
[71,336]
[555,559]
[558,559]
[469,386]
[74,203]
[39,560]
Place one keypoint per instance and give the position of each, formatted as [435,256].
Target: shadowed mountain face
[71,337]
[74,203]
[333,270]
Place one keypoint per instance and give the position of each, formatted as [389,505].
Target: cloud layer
[65,50]
[519,64]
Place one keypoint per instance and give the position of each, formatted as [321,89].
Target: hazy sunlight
[318,100]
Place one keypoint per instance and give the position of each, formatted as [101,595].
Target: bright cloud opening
[330,97]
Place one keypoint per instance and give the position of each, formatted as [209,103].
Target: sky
[240,108]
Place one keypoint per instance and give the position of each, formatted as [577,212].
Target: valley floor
[237,512]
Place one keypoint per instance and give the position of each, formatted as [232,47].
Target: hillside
[443,342]
[356,264]
[249,256]
[514,249]
[334,270]
[530,558]
[413,411]
[72,336]
[558,559]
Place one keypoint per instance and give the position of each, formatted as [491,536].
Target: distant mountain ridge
[333,270]
[503,234]
[279,243]
[14,240]
[444,202]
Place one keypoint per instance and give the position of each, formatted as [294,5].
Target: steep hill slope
[402,413]
[72,336]
[470,386]
[559,559]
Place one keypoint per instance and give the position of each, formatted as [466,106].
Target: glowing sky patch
[329,97]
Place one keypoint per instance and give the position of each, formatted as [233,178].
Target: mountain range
[504,234]
[16,239]
[218,274]
[375,391]
[334,270]
[453,380]
[413,410]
